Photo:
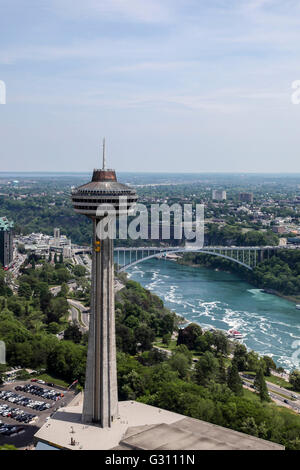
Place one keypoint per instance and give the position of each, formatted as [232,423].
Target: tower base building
[141,427]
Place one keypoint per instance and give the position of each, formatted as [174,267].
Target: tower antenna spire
[104,159]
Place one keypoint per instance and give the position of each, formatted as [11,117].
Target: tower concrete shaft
[101,392]
[102,195]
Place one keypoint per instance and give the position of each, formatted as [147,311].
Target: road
[274,391]
[18,260]
[84,313]
[55,290]
[165,351]
[14,268]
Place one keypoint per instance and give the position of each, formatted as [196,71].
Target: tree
[67,360]
[64,290]
[294,380]
[261,386]
[144,335]
[184,350]
[21,354]
[234,381]
[24,290]
[206,368]
[166,339]
[73,333]
[253,361]
[167,324]
[79,270]
[22,375]
[189,335]
[134,385]
[270,364]
[249,426]
[179,362]
[132,322]
[125,340]
[57,310]
[149,358]
[61,258]
[221,342]
[203,343]
[222,377]
[54,328]
[240,357]
[61,274]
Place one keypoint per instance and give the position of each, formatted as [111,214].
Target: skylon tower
[100,404]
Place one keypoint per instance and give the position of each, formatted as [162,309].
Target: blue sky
[174,85]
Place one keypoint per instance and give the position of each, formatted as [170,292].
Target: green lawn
[273,379]
[279,381]
[251,395]
[54,380]
[172,346]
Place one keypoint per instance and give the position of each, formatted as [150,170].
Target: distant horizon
[155,172]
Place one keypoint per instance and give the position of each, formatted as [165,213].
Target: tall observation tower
[100,403]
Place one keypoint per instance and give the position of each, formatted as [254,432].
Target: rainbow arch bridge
[246,256]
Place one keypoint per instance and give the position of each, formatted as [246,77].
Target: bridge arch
[183,250]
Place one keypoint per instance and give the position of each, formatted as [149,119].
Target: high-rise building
[219,195]
[100,403]
[56,235]
[246,197]
[6,241]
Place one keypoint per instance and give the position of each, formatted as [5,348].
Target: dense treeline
[233,235]
[212,390]
[33,216]
[30,320]
[42,214]
[281,272]
[140,317]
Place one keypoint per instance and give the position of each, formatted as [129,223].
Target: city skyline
[187,86]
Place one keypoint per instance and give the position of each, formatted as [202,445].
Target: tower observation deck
[100,403]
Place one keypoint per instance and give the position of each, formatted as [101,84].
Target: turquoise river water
[270,324]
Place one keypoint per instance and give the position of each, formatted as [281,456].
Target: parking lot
[24,407]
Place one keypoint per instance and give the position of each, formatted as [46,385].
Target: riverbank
[239,271]
[217,299]
[295,299]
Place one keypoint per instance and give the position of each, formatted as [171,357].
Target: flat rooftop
[143,427]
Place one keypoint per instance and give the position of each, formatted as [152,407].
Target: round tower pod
[103,192]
